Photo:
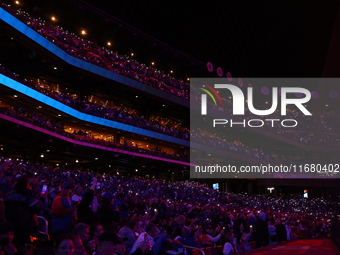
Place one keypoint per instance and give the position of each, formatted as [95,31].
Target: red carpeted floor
[305,247]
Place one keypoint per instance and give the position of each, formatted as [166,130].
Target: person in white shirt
[244,241]
[228,247]
[210,233]
[145,240]
[288,229]
[272,232]
[76,198]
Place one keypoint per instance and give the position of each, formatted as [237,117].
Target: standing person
[6,178]
[288,229]
[21,208]
[85,206]
[260,233]
[281,231]
[63,213]
[238,227]
[76,196]
[85,213]
[105,213]
[3,169]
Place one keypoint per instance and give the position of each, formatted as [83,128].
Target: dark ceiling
[247,38]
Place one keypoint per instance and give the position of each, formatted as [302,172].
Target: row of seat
[217,250]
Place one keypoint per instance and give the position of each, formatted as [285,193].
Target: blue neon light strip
[33,35]
[8,82]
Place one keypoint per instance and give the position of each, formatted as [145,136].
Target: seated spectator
[6,238]
[229,247]
[79,248]
[64,245]
[160,242]
[210,232]
[83,231]
[95,231]
[173,247]
[128,232]
[244,241]
[145,241]
[272,232]
[109,244]
[183,236]
[179,222]
[211,207]
[251,220]
[201,238]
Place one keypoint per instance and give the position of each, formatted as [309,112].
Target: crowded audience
[135,215]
